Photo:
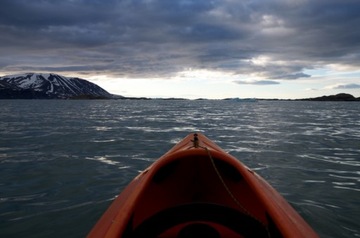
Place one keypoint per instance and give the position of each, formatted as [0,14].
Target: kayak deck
[197,189]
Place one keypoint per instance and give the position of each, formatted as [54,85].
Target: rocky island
[337,97]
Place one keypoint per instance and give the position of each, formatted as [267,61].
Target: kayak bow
[198,190]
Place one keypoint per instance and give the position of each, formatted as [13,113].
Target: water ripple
[71,158]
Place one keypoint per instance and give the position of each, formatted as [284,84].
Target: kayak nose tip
[196,140]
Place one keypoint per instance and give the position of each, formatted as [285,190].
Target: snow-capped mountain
[48,86]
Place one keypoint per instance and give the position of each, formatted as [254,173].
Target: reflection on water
[65,161]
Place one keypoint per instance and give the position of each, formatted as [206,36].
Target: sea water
[63,162]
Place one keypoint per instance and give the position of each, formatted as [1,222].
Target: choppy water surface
[63,162]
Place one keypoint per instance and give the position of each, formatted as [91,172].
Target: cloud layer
[345,86]
[267,40]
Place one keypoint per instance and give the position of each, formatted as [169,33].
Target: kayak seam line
[229,191]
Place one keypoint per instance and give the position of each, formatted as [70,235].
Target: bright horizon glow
[203,83]
[194,84]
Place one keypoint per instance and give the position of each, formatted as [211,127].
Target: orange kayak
[198,190]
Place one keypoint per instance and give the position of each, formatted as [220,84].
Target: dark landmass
[337,97]
[50,86]
[87,97]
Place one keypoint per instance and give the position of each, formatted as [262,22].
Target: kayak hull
[196,187]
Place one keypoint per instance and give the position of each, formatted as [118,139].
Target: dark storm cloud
[159,38]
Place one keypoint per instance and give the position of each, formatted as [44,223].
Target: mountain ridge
[50,86]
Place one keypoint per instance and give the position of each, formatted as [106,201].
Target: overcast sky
[188,48]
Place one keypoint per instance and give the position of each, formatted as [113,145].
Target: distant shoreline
[341,97]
